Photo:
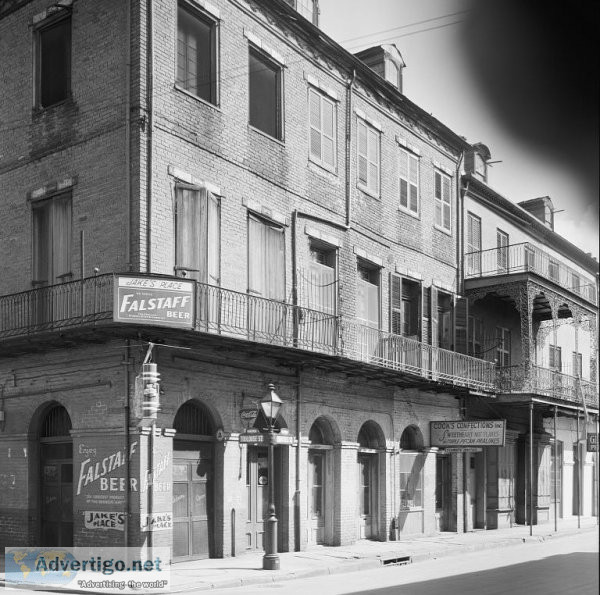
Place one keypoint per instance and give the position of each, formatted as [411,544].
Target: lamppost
[270,406]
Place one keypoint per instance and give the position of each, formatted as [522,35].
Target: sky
[509,86]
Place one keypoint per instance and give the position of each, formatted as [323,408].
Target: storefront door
[367,495]
[57,494]
[192,501]
[257,485]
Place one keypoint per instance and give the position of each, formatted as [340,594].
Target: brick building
[220,187]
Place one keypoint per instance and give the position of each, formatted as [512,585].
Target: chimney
[541,208]
[386,61]
[309,9]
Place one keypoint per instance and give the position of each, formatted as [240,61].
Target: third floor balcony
[526,259]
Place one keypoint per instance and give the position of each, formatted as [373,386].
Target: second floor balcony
[545,382]
[91,303]
[529,259]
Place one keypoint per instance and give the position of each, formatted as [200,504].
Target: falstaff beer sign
[150,300]
[468,433]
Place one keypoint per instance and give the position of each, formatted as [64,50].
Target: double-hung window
[473,245]
[555,357]
[266,259]
[502,242]
[197,243]
[443,201]
[265,89]
[409,182]
[367,299]
[368,157]
[577,364]
[503,346]
[197,53]
[322,115]
[53,62]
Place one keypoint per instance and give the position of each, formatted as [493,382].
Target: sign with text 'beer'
[468,433]
[156,301]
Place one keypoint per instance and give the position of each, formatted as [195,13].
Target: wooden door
[192,503]
[367,495]
[316,496]
[257,485]
[57,494]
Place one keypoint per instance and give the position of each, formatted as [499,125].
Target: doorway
[56,457]
[443,492]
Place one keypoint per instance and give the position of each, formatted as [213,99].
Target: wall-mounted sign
[157,521]
[248,416]
[149,300]
[468,433]
[592,443]
[104,520]
[252,438]
[448,449]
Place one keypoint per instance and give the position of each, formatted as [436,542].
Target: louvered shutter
[362,153]
[426,313]
[414,183]
[403,163]
[315,124]
[433,334]
[396,304]
[461,321]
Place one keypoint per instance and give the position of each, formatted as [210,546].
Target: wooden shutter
[395,304]
[266,259]
[433,332]
[426,313]
[461,321]
[213,240]
[362,153]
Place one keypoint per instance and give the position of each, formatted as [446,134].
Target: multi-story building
[220,189]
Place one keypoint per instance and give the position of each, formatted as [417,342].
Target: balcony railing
[546,382]
[527,258]
[233,314]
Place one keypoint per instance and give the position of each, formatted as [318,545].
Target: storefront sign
[255,438]
[460,449]
[468,433]
[148,300]
[157,521]
[248,416]
[592,443]
[104,520]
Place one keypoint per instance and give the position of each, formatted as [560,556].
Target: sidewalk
[322,560]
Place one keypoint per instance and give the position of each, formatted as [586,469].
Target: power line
[404,26]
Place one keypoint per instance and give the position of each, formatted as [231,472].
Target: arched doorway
[56,459]
[370,444]
[412,462]
[321,482]
[193,483]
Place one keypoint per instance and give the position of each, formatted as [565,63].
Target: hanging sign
[153,300]
[468,433]
[592,443]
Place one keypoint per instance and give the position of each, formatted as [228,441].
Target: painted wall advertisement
[150,300]
[467,433]
[97,519]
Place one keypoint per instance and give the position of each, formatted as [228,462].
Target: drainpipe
[149,124]
[460,227]
[297,495]
[127,441]
[348,146]
[128,192]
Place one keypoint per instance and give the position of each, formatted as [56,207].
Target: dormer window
[480,167]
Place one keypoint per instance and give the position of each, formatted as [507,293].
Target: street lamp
[270,406]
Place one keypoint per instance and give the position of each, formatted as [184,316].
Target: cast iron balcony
[527,258]
[546,382]
[89,303]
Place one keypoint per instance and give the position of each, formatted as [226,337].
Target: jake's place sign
[149,300]
[468,433]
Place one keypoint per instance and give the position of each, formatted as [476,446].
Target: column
[347,494]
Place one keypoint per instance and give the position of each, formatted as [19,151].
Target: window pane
[55,62]
[404,193]
[414,198]
[315,109]
[328,118]
[264,95]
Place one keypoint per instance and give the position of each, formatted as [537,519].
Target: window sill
[39,109]
[266,135]
[323,170]
[368,191]
[410,213]
[445,231]
[197,98]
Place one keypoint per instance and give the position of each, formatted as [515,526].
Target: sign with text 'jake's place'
[468,433]
[148,300]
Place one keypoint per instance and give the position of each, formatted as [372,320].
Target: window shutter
[433,334]
[315,124]
[396,304]
[414,183]
[214,240]
[61,237]
[426,313]
[362,153]
[461,321]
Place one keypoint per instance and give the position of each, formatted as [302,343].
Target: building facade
[220,189]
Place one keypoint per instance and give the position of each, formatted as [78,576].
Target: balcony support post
[531,468]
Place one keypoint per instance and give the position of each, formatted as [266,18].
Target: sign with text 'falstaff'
[153,300]
[466,433]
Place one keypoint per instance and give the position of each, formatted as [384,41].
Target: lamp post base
[270,562]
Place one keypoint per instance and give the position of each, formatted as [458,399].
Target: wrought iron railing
[240,315]
[523,258]
[529,378]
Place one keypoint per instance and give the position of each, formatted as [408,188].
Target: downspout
[149,124]
[460,227]
[348,146]
[127,442]
[297,494]
[128,193]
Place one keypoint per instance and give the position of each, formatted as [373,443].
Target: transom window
[409,182]
[266,113]
[443,202]
[368,158]
[197,53]
[322,129]
[53,50]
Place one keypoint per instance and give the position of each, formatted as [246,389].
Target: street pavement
[246,569]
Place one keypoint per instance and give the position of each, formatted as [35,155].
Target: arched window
[194,419]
